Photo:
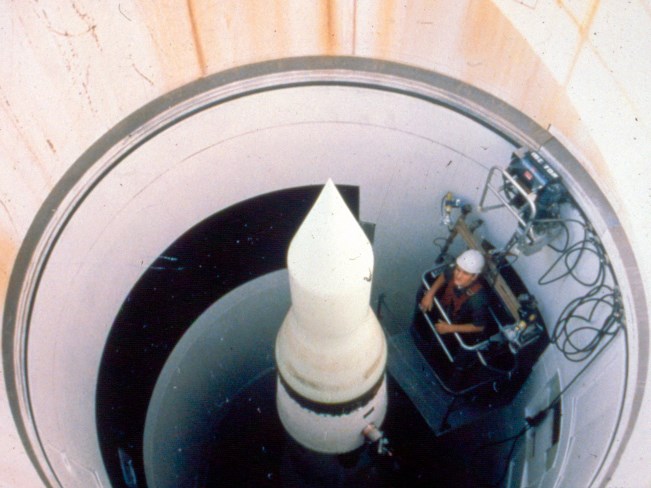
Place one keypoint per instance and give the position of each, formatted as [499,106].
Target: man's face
[462,278]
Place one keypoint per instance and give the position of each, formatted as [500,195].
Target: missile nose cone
[330,263]
[330,350]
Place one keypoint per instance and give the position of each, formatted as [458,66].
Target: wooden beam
[492,273]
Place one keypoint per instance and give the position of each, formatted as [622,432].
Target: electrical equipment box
[532,191]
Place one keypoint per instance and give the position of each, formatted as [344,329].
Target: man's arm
[427,301]
[445,328]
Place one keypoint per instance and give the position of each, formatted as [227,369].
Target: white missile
[330,350]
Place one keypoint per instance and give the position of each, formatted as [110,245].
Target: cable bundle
[575,334]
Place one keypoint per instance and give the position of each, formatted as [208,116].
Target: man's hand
[426,303]
[444,327]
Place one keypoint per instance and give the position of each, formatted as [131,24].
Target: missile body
[330,350]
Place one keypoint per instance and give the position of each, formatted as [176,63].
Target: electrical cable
[573,334]
[535,420]
[577,343]
[575,251]
[583,369]
[586,321]
[572,341]
[564,227]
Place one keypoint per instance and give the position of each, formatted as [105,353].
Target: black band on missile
[334,409]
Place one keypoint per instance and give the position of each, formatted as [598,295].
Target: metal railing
[499,193]
[468,347]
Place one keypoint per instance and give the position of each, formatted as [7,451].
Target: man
[463,298]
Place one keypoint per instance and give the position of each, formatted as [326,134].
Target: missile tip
[330,246]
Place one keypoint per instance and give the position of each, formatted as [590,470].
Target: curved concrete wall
[72,72]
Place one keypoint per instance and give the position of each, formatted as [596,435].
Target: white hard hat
[471,261]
